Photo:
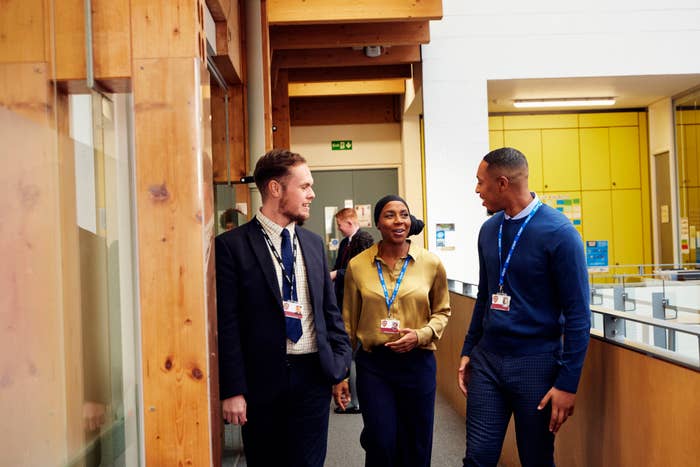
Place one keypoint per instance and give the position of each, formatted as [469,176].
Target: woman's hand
[341,394]
[406,343]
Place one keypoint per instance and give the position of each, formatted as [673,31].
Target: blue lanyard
[289,278]
[504,266]
[389,302]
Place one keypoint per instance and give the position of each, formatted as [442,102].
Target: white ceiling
[629,91]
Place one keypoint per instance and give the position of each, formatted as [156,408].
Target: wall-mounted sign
[597,255]
[341,145]
[445,236]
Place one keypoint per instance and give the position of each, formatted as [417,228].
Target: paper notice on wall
[445,236]
[349,203]
[665,218]
[364,214]
[329,214]
[569,205]
[685,236]
[597,255]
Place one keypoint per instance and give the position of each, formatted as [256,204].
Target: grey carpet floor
[344,448]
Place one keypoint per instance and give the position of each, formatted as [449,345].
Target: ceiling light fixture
[567,102]
[373,51]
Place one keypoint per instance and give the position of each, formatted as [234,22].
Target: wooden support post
[174,201]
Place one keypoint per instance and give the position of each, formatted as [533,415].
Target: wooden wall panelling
[319,75]
[631,409]
[111,35]
[267,74]
[345,57]
[22,23]
[280,111]
[348,11]
[338,110]
[237,152]
[229,41]
[349,35]
[448,354]
[33,393]
[347,88]
[165,29]
[176,215]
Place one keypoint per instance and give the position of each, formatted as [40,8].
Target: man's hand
[562,407]
[234,409]
[341,394]
[334,274]
[406,343]
[93,415]
[463,375]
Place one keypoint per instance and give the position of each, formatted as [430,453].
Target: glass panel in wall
[687,110]
[99,127]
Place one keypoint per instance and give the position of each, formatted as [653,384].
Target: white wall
[481,40]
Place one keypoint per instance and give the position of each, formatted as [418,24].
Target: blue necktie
[293,325]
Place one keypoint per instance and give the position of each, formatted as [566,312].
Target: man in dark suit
[355,242]
[282,342]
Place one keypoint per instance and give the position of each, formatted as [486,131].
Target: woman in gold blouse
[396,305]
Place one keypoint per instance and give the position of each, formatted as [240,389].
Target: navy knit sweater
[547,281]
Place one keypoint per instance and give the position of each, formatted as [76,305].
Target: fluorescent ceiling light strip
[583,102]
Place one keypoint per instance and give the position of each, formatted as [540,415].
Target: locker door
[627,233]
[595,159]
[624,157]
[560,160]
[529,142]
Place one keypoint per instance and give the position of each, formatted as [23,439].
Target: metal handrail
[469,290]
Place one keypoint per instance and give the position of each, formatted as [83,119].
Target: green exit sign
[343,145]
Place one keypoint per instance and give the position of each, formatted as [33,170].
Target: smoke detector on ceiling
[373,51]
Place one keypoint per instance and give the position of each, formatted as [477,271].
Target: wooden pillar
[280,111]
[175,231]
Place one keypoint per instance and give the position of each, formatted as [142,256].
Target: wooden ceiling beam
[351,11]
[344,57]
[326,36]
[348,88]
[319,75]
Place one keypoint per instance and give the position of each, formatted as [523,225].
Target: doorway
[334,188]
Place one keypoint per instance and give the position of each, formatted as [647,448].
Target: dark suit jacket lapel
[310,260]
[259,247]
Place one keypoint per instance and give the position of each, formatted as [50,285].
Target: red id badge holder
[389,326]
[500,301]
[293,309]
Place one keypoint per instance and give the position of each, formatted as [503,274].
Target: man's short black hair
[506,158]
[274,165]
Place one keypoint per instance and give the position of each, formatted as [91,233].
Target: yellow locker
[595,159]
[495,139]
[627,230]
[596,218]
[688,156]
[624,157]
[529,142]
[560,160]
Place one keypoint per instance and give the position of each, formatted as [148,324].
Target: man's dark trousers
[500,386]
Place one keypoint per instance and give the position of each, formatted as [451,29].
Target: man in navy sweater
[527,340]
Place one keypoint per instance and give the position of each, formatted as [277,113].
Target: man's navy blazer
[251,324]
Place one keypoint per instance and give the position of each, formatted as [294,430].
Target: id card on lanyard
[390,325]
[501,300]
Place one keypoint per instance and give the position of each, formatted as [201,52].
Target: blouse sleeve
[439,297]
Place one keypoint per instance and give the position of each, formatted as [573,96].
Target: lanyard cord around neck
[290,278]
[390,301]
[504,266]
